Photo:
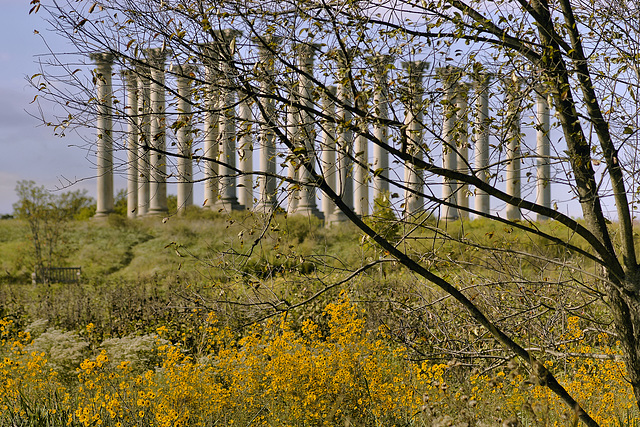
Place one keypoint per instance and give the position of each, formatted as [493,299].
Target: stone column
[158,163]
[361,164]
[293,133]
[245,148]
[462,141]
[482,124]
[381,110]
[267,182]
[344,134]
[414,202]
[543,150]
[104,158]
[449,77]
[211,127]
[307,204]
[184,136]
[144,137]
[227,194]
[513,135]
[328,147]
[131,109]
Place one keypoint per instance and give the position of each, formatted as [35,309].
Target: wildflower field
[276,376]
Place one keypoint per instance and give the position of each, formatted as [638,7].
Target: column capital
[511,85]
[479,74]
[131,79]
[481,78]
[156,55]
[102,58]
[462,89]
[184,71]
[144,71]
[225,42]
[210,52]
[129,75]
[343,57]
[227,34]
[361,99]
[449,74]
[307,50]
[266,44]
[380,63]
[543,89]
[415,69]
[333,90]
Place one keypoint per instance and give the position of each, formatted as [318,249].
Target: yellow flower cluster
[593,374]
[275,375]
[272,376]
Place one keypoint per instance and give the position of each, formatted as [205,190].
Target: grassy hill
[204,258]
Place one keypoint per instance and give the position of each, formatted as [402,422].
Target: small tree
[383,220]
[46,214]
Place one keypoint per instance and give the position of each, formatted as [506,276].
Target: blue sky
[28,149]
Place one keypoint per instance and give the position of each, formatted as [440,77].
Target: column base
[103,214]
[309,211]
[450,216]
[336,217]
[227,205]
[264,206]
[157,212]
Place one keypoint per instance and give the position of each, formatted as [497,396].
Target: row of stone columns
[343,159]
[455,143]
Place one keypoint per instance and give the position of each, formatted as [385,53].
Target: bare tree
[579,55]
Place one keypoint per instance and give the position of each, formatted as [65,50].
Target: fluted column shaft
[481,139]
[294,134]
[344,136]
[328,146]
[414,201]
[227,194]
[361,166]
[184,135]
[381,104]
[307,204]
[104,158]
[158,174]
[211,125]
[245,147]
[449,77]
[267,182]
[543,150]
[513,135]
[144,139]
[131,108]
[462,137]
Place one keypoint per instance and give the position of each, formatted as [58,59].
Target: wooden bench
[57,275]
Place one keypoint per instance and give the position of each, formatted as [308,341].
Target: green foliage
[383,219]
[46,214]
[120,203]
